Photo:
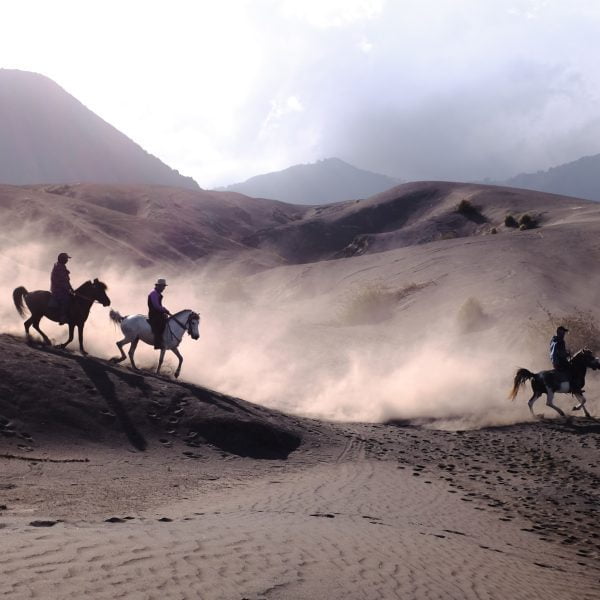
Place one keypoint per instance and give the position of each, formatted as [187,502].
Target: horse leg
[160,360]
[132,348]
[531,402]
[120,345]
[178,355]
[71,330]
[551,404]
[582,401]
[80,332]
[36,326]
[27,325]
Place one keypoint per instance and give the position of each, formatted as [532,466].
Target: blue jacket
[558,350]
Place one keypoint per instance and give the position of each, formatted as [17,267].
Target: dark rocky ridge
[50,397]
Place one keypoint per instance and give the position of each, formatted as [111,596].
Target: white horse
[136,328]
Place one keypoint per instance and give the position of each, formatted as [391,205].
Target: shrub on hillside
[526,221]
[465,207]
[510,221]
[584,330]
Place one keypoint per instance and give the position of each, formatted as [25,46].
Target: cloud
[418,90]
[332,13]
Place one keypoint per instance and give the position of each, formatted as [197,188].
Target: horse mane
[89,282]
[580,353]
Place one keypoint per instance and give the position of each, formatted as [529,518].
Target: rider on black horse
[60,286]
[157,313]
[560,357]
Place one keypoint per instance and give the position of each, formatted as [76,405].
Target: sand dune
[350,511]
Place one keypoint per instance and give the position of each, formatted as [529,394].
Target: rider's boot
[157,341]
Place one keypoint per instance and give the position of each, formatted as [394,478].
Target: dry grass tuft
[584,331]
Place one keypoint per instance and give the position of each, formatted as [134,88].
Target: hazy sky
[424,89]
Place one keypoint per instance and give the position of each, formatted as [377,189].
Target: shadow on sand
[97,374]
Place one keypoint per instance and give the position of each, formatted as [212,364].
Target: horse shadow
[97,374]
[577,426]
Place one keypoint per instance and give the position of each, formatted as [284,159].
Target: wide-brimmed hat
[561,328]
[161,282]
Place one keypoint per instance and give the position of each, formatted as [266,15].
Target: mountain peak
[48,136]
[578,178]
[325,181]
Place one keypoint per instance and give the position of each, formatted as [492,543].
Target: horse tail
[521,377]
[116,317]
[18,296]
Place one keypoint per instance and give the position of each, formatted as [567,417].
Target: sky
[424,89]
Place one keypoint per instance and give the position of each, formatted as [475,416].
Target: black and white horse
[557,382]
[137,327]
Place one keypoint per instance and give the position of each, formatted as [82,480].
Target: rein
[92,300]
[183,327]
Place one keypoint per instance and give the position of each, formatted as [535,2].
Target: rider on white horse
[157,313]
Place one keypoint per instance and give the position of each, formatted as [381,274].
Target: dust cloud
[278,340]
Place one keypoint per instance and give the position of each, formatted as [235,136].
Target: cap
[63,255]
[561,328]
[161,282]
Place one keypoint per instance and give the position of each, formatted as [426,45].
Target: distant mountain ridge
[48,136]
[323,182]
[580,178]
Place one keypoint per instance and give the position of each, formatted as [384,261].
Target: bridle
[92,300]
[187,326]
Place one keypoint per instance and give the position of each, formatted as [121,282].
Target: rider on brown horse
[157,313]
[60,286]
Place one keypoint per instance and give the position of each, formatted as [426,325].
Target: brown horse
[39,305]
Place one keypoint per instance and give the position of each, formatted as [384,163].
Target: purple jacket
[60,282]
[155,303]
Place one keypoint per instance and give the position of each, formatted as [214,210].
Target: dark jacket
[156,311]
[60,281]
[558,353]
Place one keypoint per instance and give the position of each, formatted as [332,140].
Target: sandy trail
[355,528]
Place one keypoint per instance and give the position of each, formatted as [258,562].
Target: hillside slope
[138,224]
[408,215]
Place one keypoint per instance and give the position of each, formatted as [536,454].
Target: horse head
[99,292]
[193,325]
[586,358]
